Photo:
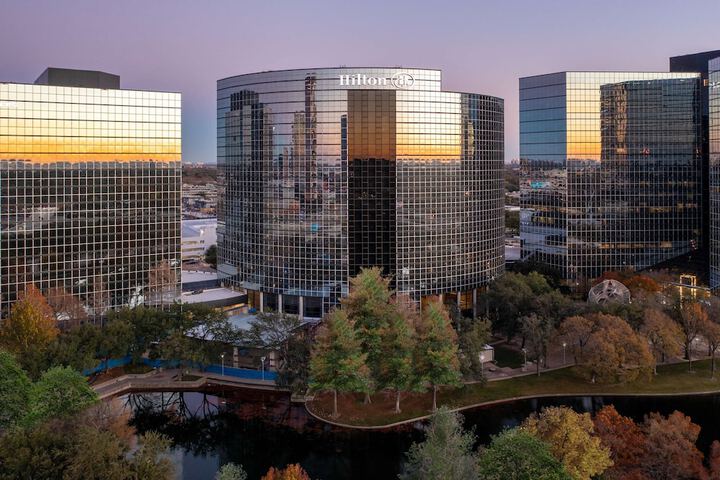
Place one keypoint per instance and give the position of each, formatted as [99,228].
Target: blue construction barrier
[242,372]
[213,368]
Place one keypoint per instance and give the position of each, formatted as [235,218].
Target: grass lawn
[671,379]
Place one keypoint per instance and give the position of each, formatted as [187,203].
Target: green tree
[397,346]
[231,471]
[149,325]
[537,331]
[41,452]
[518,455]
[338,363]
[446,453]
[436,357]
[98,455]
[116,340]
[368,306]
[30,326]
[473,335]
[60,392]
[571,440]
[76,348]
[14,391]
[211,256]
[150,461]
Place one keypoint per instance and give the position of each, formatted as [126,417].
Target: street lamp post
[262,366]
[222,363]
[481,357]
[564,345]
[524,350]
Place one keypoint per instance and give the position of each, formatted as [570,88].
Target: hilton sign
[399,80]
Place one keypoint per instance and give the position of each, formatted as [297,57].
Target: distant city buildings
[611,174]
[326,171]
[197,236]
[89,192]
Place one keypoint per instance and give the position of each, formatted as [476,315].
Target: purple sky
[481,46]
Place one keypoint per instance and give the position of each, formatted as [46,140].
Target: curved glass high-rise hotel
[326,171]
[714,135]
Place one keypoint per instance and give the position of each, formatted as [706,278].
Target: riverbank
[672,379]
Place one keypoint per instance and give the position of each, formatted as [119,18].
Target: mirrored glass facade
[610,170]
[325,171]
[90,184]
[714,130]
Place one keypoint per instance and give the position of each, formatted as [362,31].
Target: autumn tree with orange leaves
[30,326]
[291,472]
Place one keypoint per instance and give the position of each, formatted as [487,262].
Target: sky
[481,46]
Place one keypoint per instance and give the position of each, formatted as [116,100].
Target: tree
[116,340]
[283,332]
[691,318]
[436,353]
[290,472]
[30,327]
[149,325]
[671,450]
[41,452]
[211,256]
[446,453]
[338,363]
[571,440]
[150,461]
[397,346]
[98,455]
[626,441]
[368,306]
[77,347]
[60,392]
[231,471]
[710,330]
[537,332]
[615,353]
[517,455]
[662,333]
[714,461]
[576,331]
[14,391]
[473,335]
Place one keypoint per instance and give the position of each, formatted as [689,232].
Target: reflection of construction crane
[688,284]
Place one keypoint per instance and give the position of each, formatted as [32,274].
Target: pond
[264,429]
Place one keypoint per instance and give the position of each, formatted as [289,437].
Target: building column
[301,307]
[280,303]
[474,302]
[262,302]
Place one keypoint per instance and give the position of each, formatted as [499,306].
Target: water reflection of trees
[259,431]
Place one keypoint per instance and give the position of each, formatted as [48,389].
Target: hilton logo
[399,80]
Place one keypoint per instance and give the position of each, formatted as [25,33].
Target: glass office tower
[610,170]
[90,181]
[714,136]
[326,171]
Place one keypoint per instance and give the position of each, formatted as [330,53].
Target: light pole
[564,345]
[524,350]
[481,357]
[222,364]
[262,366]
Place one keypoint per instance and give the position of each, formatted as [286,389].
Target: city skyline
[176,46]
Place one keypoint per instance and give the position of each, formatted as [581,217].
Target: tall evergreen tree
[368,306]
[338,363]
[398,344]
[447,452]
[436,353]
